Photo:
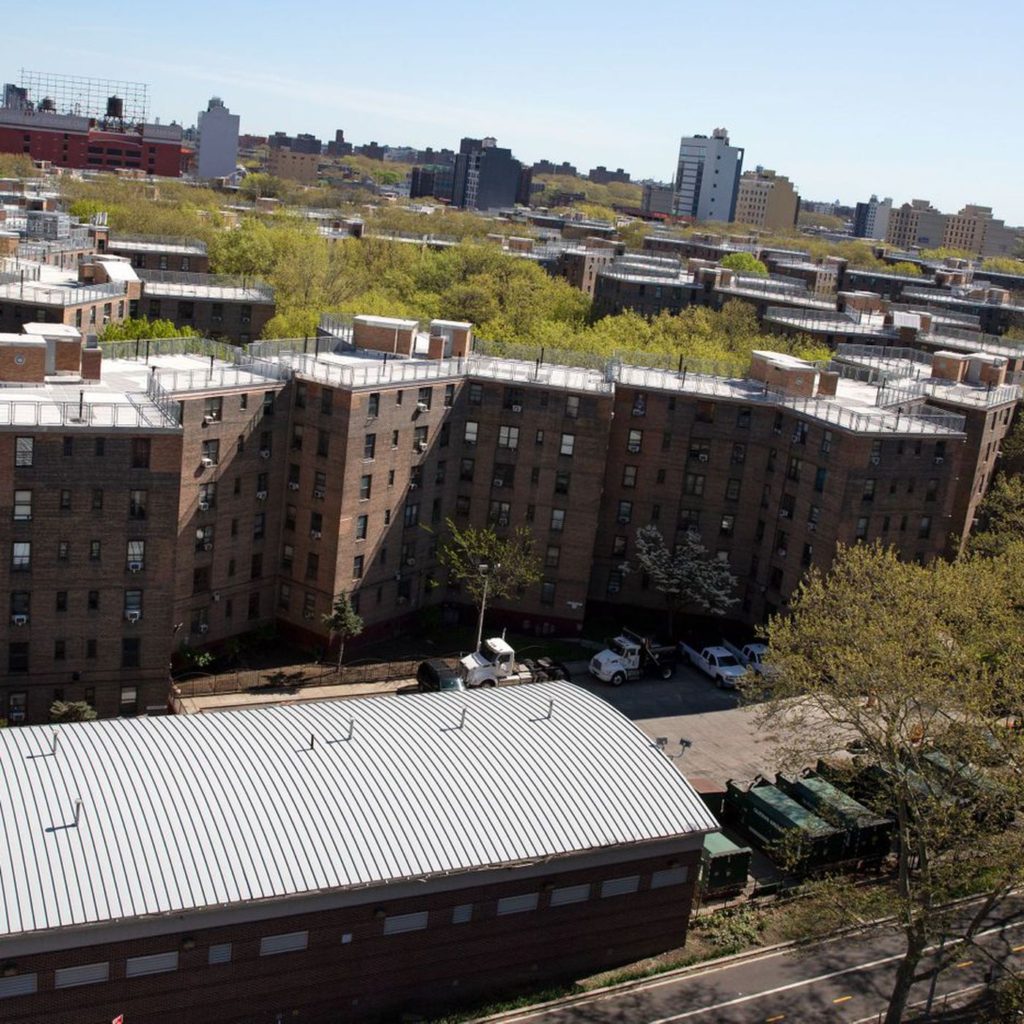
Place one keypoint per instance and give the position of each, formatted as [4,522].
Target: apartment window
[931,490]
[572,406]
[499,512]
[94,551]
[668,877]
[700,451]
[287,557]
[820,479]
[253,611]
[21,556]
[861,532]
[137,501]
[557,519]
[357,567]
[62,601]
[18,984]
[323,443]
[693,484]
[567,444]
[99,447]
[689,519]
[449,395]
[83,974]
[312,565]
[508,437]
[373,404]
[620,886]
[625,512]
[17,658]
[462,505]
[462,914]
[826,442]
[219,953]
[868,494]
[365,486]
[411,514]
[705,412]
[65,501]
[924,528]
[326,401]
[547,593]
[22,506]
[743,419]
[472,428]
[297,432]
[24,450]
[201,579]
[136,552]
[370,446]
[793,469]
[476,394]
[140,452]
[419,439]
[552,556]
[727,525]
[211,452]
[131,657]
[259,526]
[634,441]
[362,523]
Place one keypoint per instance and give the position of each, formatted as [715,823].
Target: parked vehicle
[724,866]
[749,655]
[496,661]
[437,676]
[630,656]
[720,664]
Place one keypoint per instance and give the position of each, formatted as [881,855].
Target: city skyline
[815,101]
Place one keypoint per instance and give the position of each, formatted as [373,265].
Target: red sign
[119,1019]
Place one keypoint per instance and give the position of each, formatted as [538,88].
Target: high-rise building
[871,219]
[487,177]
[707,177]
[767,200]
[218,140]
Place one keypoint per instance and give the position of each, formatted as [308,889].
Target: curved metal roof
[186,812]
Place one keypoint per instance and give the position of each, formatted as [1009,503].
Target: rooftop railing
[70,295]
[215,285]
[156,241]
[949,391]
[825,322]
[137,413]
[875,355]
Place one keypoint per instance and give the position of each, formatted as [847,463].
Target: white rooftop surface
[137,245]
[119,270]
[233,293]
[52,330]
[189,812]
[181,373]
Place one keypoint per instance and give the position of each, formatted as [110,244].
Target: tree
[911,666]
[1000,516]
[745,263]
[140,327]
[343,622]
[905,269]
[71,711]
[489,565]
[687,575]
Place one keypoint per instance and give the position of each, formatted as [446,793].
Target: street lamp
[485,571]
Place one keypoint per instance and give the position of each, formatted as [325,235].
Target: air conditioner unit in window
[308,616]
[133,616]
[633,449]
[613,588]
[702,457]
[422,407]
[623,520]
[320,493]
[781,552]
[315,534]
[135,567]
[517,408]
[261,495]
[206,462]
[938,460]
[203,628]
[420,446]
[876,460]
[208,419]
[208,546]
[410,561]
[503,520]
[784,513]
[204,506]
[19,620]
[498,482]
[293,485]
[264,453]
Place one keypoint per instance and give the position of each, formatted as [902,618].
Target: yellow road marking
[771,1020]
[842,999]
[965,963]
[1017,949]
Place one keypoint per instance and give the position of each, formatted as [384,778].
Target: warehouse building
[301,863]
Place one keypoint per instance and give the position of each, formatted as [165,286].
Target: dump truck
[630,656]
[724,866]
[496,662]
[868,835]
[786,829]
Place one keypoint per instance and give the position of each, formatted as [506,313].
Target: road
[841,980]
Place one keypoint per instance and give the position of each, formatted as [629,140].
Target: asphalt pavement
[844,980]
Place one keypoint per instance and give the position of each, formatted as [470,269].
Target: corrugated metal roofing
[187,812]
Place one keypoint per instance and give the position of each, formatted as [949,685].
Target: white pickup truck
[722,665]
[751,654]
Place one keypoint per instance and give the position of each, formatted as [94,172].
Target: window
[567,444]
[619,545]
[620,886]
[700,451]
[22,506]
[65,501]
[517,904]
[253,611]
[357,567]
[220,953]
[94,551]
[290,942]
[259,526]
[411,515]
[84,974]
[793,469]
[499,513]
[17,657]
[552,555]
[861,531]
[557,519]
[472,428]
[868,494]
[155,963]
[625,512]
[705,412]
[508,437]
[820,479]
[60,650]
[727,526]
[924,528]
[419,439]
[930,494]
[211,452]
[668,877]
[361,527]
[297,431]
[572,406]
[21,556]
[396,924]
[213,409]
[666,440]
[373,404]
[370,446]
[140,452]
[566,894]
[136,552]
[476,394]
[99,447]
[693,484]
[326,401]
[449,395]
[462,505]
[424,396]
[689,519]
[69,447]
[23,451]
[131,657]
[18,985]
[62,601]
[826,442]
[634,441]
[462,914]
[137,504]
[323,443]
[365,486]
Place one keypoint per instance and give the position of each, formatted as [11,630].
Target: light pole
[485,571]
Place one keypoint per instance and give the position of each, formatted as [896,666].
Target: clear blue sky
[846,97]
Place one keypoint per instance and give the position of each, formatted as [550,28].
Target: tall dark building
[486,176]
[434,180]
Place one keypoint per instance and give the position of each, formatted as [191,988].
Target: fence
[292,677]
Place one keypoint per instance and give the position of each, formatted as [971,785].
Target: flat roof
[196,812]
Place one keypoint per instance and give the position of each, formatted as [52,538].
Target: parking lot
[725,741]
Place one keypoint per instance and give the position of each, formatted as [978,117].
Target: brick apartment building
[286,863]
[150,252]
[306,469]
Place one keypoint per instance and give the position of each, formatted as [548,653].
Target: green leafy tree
[71,711]
[906,269]
[911,665]
[343,622]
[488,565]
[745,263]
[140,327]
[1000,516]
[686,575]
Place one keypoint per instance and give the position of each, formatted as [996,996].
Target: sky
[846,97]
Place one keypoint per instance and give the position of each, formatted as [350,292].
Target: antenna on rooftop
[78,810]
[53,742]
